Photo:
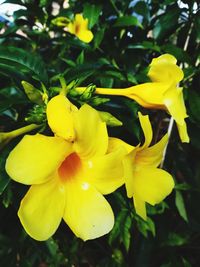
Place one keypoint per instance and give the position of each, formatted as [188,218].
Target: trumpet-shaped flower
[161,93]
[68,179]
[144,181]
[79,27]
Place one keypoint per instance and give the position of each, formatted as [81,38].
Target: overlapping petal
[182,129]
[42,208]
[147,130]
[140,207]
[164,69]
[152,155]
[87,212]
[36,157]
[60,117]
[152,185]
[173,99]
[106,172]
[91,133]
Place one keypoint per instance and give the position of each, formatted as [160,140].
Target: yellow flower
[144,181]
[79,27]
[161,93]
[68,179]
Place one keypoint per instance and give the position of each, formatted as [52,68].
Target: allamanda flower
[144,181]
[79,27]
[161,93]
[68,179]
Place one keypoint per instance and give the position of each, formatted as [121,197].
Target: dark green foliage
[127,35]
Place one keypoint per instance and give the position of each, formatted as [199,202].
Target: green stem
[63,85]
[115,8]
[6,137]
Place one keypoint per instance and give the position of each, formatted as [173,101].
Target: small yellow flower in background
[79,27]
[144,181]
[161,93]
[68,179]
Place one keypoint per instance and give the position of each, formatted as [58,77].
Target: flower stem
[6,137]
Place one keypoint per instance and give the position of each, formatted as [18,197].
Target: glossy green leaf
[127,21]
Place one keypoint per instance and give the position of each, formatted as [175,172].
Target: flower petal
[36,157]
[140,207]
[182,129]
[148,95]
[152,156]
[106,173]
[85,36]
[173,99]
[91,133]
[60,117]
[80,22]
[41,209]
[114,143]
[147,130]
[129,169]
[152,185]
[87,212]
[164,69]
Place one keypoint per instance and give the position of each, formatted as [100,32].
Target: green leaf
[166,23]
[183,187]
[80,58]
[175,239]
[127,21]
[24,60]
[98,37]
[4,178]
[92,12]
[126,235]
[179,201]
[194,104]
[145,45]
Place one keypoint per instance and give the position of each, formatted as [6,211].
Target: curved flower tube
[161,93]
[68,179]
[144,181]
[79,27]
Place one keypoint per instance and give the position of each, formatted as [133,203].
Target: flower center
[77,28]
[70,167]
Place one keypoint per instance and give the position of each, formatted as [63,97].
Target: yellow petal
[149,95]
[129,169]
[147,129]
[152,156]
[60,117]
[41,209]
[85,36]
[140,207]
[70,28]
[115,143]
[35,158]
[106,173]
[173,99]
[91,133]
[87,212]
[80,22]
[182,129]
[165,58]
[164,69]
[152,185]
